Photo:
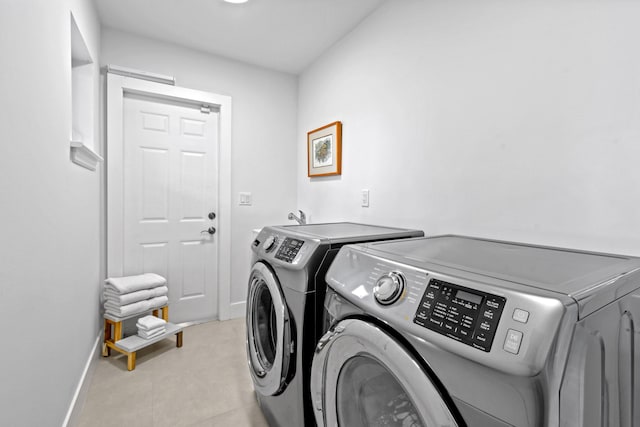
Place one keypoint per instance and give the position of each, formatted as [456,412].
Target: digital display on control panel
[463,314]
[289,249]
[466,296]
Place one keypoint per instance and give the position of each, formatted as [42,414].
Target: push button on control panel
[520,315]
[513,341]
[488,314]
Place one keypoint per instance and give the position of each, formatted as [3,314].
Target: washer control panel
[466,315]
[507,326]
[289,249]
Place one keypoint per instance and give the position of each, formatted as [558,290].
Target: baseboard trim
[83,385]
[237,309]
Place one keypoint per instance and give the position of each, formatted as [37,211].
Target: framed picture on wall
[324,150]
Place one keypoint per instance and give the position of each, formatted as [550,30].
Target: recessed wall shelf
[83,83]
[84,156]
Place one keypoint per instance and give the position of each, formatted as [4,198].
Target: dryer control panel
[289,249]
[466,315]
[508,326]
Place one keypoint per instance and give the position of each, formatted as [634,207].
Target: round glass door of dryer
[369,395]
[363,377]
[268,331]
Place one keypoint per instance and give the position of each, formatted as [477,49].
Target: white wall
[263,130]
[49,216]
[511,120]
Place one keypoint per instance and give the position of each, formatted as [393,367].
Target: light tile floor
[204,383]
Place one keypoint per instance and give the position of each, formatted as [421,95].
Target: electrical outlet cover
[365,198]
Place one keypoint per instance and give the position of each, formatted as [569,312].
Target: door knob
[210,230]
[212,215]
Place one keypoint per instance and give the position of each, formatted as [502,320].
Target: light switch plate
[245,199]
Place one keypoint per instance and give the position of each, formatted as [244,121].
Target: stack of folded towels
[130,295]
[151,327]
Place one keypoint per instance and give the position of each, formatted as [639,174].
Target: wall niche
[82,101]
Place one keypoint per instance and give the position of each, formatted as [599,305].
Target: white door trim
[117,86]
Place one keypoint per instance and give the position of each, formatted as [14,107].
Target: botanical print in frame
[324,147]
[322,151]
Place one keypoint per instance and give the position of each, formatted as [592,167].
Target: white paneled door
[170,200]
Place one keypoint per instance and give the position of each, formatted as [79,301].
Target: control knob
[270,243]
[389,288]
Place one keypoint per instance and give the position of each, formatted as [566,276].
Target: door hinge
[205,109]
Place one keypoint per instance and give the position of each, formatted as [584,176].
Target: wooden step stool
[130,345]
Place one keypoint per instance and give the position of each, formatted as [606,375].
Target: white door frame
[117,86]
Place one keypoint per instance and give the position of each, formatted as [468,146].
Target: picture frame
[324,150]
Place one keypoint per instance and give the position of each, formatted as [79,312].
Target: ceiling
[284,35]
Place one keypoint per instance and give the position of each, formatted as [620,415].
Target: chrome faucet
[301,220]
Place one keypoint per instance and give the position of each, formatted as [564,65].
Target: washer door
[362,377]
[269,343]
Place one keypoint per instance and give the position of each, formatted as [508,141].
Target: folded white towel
[150,322]
[136,307]
[123,285]
[131,297]
[148,336]
[152,331]
[126,310]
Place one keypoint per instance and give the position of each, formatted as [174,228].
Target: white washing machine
[284,303]
[459,331]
